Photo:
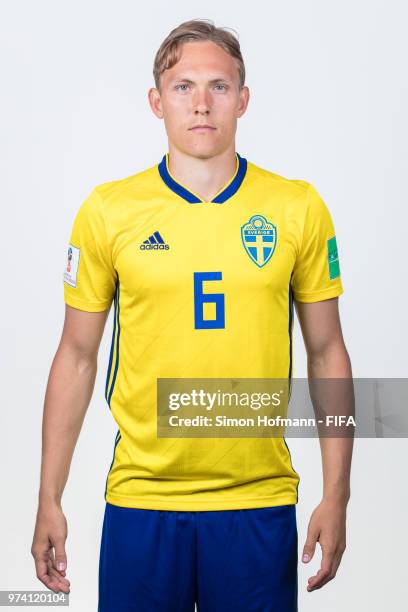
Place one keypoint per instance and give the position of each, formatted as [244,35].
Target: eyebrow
[212,81]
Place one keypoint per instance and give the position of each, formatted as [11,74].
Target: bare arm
[69,391]
[328,358]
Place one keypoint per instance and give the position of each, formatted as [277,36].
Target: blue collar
[226,192]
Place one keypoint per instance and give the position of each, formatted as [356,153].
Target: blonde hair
[196,30]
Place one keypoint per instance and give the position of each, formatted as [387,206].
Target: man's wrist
[337,494]
[49,498]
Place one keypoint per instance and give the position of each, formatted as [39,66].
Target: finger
[41,567]
[55,580]
[60,573]
[61,579]
[63,583]
[310,545]
[337,561]
[59,557]
[52,571]
[325,572]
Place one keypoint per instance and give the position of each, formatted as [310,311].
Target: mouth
[202,128]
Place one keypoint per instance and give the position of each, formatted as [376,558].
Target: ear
[155,102]
[243,101]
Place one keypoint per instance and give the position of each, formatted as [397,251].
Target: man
[204,255]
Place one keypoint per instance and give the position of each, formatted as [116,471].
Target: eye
[220,87]
[182,86]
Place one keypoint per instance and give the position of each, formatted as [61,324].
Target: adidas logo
[154,243]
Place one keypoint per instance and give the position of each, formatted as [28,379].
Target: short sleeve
[316,274]
[89,276]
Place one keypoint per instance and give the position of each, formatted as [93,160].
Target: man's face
[200,100]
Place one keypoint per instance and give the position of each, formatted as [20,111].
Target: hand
[48,547]
[327,525]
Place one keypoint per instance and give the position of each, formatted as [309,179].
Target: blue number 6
[201,298]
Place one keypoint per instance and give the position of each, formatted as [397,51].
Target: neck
[204,177]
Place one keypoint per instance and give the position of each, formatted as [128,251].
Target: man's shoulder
[136,184]
[263,178]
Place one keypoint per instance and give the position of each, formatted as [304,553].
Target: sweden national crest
[259,238]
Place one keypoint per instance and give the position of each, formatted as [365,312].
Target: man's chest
[169,251]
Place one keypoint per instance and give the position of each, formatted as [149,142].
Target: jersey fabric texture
[156,560]
[200,290]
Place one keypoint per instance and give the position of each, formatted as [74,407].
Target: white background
[329,90]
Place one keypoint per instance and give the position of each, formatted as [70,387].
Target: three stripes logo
[154,243]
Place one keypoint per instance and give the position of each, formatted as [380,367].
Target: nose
[201,102]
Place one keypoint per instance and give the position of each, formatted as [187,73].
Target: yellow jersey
[200,290]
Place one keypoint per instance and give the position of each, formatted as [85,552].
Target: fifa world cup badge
[71,269]
[69,259]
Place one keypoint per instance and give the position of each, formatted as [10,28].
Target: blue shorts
[221,560]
